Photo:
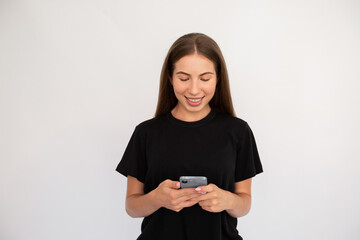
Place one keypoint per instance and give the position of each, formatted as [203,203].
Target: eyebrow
[189,74]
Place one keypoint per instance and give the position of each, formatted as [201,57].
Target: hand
[171,197]
[213,198]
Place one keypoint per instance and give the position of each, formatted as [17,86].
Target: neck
[187,116]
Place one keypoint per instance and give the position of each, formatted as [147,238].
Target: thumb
[171,184]
[176,185]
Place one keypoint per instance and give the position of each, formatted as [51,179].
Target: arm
[240,201]
[167,195]
[137,204]
[236,204]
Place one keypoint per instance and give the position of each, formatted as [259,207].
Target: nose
[194,87]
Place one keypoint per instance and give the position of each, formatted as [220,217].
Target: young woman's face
[194,83]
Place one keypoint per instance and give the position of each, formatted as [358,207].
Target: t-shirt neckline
[202,121]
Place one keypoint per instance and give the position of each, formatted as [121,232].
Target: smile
[194,101]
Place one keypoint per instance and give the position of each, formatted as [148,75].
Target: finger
[190,197]
[180,195]
[208,203]
[208,206]
[173,184]
[176,185]
[204,203]
[208,196]
[183,202]
[205,189]
[189,203]
[210,209]
[186,192]
[184,205]
[204,197]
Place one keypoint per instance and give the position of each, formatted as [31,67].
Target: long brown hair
[186,45]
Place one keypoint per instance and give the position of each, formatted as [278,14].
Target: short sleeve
[248,161]
[133,162]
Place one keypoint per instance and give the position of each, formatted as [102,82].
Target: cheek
[210,89]
[179,89]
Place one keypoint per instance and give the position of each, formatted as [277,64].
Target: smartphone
[192,181]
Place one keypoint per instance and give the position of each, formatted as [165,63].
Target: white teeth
[194,100]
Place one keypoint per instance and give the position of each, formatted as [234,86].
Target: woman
[194,133]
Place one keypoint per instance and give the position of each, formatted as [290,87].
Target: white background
[77,76]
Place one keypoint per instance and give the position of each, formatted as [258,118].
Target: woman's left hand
[213,198]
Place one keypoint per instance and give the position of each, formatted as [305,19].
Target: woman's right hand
[170,196]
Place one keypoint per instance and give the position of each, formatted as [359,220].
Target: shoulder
[151,124]
[237,128]
[231,122]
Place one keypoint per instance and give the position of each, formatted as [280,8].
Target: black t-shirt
[219,146]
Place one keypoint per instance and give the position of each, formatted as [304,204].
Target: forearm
[141,205]
[239,204]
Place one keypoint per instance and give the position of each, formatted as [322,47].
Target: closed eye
[205,80]
[184,79]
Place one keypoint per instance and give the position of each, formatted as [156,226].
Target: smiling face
[194,84]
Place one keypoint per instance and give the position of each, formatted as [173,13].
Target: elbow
[131,212]
[246,211]
[243,206]
[240,213]
[247,204]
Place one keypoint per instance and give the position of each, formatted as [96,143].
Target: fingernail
[177,185]
[198,189]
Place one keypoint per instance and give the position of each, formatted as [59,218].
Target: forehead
[195,63]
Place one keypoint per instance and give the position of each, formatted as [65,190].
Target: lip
[192,103]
